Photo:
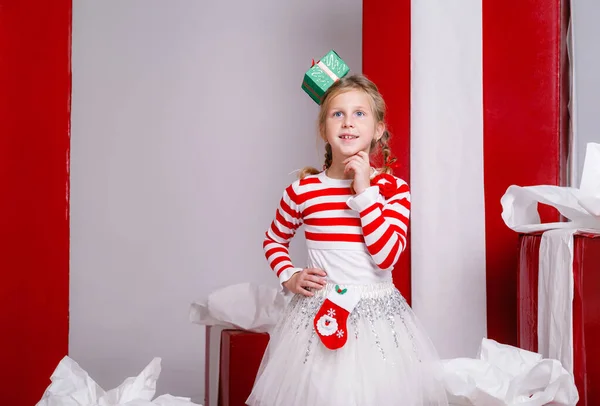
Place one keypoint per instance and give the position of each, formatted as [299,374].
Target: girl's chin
[347,153]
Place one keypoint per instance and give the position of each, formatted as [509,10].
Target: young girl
[348,337]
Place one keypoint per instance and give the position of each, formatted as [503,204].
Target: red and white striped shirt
[352,237]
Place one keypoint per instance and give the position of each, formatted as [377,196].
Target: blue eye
[360,113]
[337,114]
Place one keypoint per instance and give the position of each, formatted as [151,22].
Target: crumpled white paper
[242,306]
[555,288]
[72,386]
[581,206]
[503,375]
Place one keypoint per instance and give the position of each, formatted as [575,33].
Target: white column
[448,217]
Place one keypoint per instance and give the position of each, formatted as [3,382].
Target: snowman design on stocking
[331,321]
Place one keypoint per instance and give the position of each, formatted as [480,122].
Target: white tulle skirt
[388,360]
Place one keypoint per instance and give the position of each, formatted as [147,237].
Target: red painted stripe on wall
[524,131]
[35,83]
[386,61]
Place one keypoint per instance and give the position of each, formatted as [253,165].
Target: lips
[348,137]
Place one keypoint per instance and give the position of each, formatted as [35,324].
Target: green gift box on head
[323,74]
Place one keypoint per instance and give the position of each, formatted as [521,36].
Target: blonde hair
[355,82]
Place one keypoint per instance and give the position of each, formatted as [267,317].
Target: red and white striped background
[487,84]
[477,99]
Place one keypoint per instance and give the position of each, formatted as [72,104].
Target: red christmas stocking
[332,318]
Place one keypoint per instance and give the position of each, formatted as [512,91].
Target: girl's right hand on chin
[307,278]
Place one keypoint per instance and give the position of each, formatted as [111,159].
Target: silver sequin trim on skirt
[378,302]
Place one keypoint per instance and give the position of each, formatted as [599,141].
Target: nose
[348,121]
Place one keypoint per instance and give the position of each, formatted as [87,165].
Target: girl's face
[350,125]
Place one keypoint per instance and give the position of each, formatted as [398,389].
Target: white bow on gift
[581,207]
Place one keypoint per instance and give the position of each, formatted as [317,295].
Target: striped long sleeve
[280,233]
[384,226]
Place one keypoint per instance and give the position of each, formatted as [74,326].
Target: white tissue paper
[243,306]
[72,386]
[555,289]
[581,206]
[507,376]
